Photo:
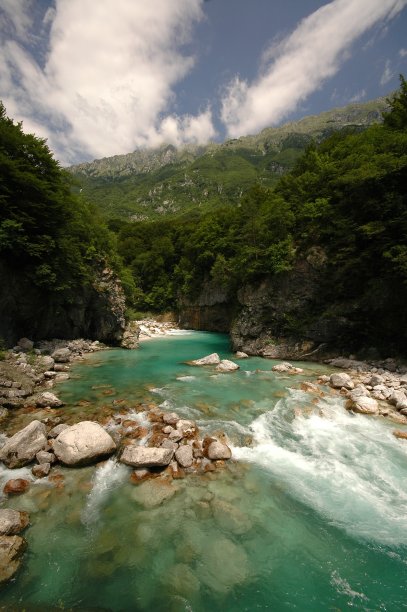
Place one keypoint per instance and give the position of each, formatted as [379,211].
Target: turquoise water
[311,515]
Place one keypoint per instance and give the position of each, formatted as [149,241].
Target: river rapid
[309,515]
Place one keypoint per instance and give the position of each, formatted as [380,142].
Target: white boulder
[83,443]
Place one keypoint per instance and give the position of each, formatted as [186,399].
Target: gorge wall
[94,310]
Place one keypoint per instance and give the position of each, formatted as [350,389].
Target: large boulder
[83,443]
[12,521]
[217,450]
[363,405]
[61,355]
[21,448]
[340,380]
[48,399]
[227,366]
[11,550]
[212,359]
[140,456]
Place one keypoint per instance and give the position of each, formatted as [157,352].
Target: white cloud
[403,52]
[387,73]
[299,64]
[358,96]
[15,13]
[107,83]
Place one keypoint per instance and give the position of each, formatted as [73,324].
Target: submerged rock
[224,565]
[139,456]
[241,355]
[41,470]
[12,521]
[20,449]
[402,435]
[12,548]
[212,359]
[83,443]
[153,493]
[16,486]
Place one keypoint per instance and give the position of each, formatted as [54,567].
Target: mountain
[152,183]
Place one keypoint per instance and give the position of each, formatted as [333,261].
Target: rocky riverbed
[158,445]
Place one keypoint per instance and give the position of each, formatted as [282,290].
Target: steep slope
[167,181]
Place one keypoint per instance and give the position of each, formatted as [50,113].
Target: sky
[98,78]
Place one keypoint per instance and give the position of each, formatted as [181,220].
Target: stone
[55,431]
[181,580]
[224,565]
[381,392]
[61,355]
[184,455]
[340,380]
[50,374]
[169,444]
[45,457]
[363,405]
[227,366]
[41,470]
[61,367]
[47,362]
[83,443]
[402,435]
[376,379]
[12,521]
[12,548]
[230,518]
[170,418]
[241,355]
[282,367]
[25,344]
[212,359]
[186,428]
[323,378]
[48,399]
[16,486]
[217,450]
[397,397]
[167,429]
[152,493]
[20,449]
[359,391]
[175,436]
[139,456]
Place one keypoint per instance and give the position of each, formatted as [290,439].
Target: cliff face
[279,317]
[96,311]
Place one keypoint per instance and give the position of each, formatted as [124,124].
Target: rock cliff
[95,310]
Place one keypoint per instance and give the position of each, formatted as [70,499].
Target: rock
[186,428]
[21,448]
[46,362]
[340,380]
[217,450]
[175,436]
[212,359]
[170,418]
[153,493]
[181,580]
[25,344]
[376,379]
[12,521]
[397,397]
[167,429]
[349,364]
[224,565]
[11,550]
[309,387]
[55,431]
[45,457]
[60,367]
[169,444]
[381,392]
[184,455]
[402,435]
[48,399]
[230,518]
[61,355]
[282,367]
[227,366]
[323,378]
[241,355]
[16,486]
[83,443]
[50,374]
[41,470]
[359,391]
[363,405]
[139,456]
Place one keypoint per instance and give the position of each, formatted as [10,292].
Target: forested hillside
[343,205]
[150,184]
[53,247]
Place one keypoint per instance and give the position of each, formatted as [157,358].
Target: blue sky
[104,77]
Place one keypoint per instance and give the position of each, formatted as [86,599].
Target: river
[310,514]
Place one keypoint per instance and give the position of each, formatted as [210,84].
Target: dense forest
[345,198]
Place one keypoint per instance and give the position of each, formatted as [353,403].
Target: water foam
[106,478]
[347,467]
